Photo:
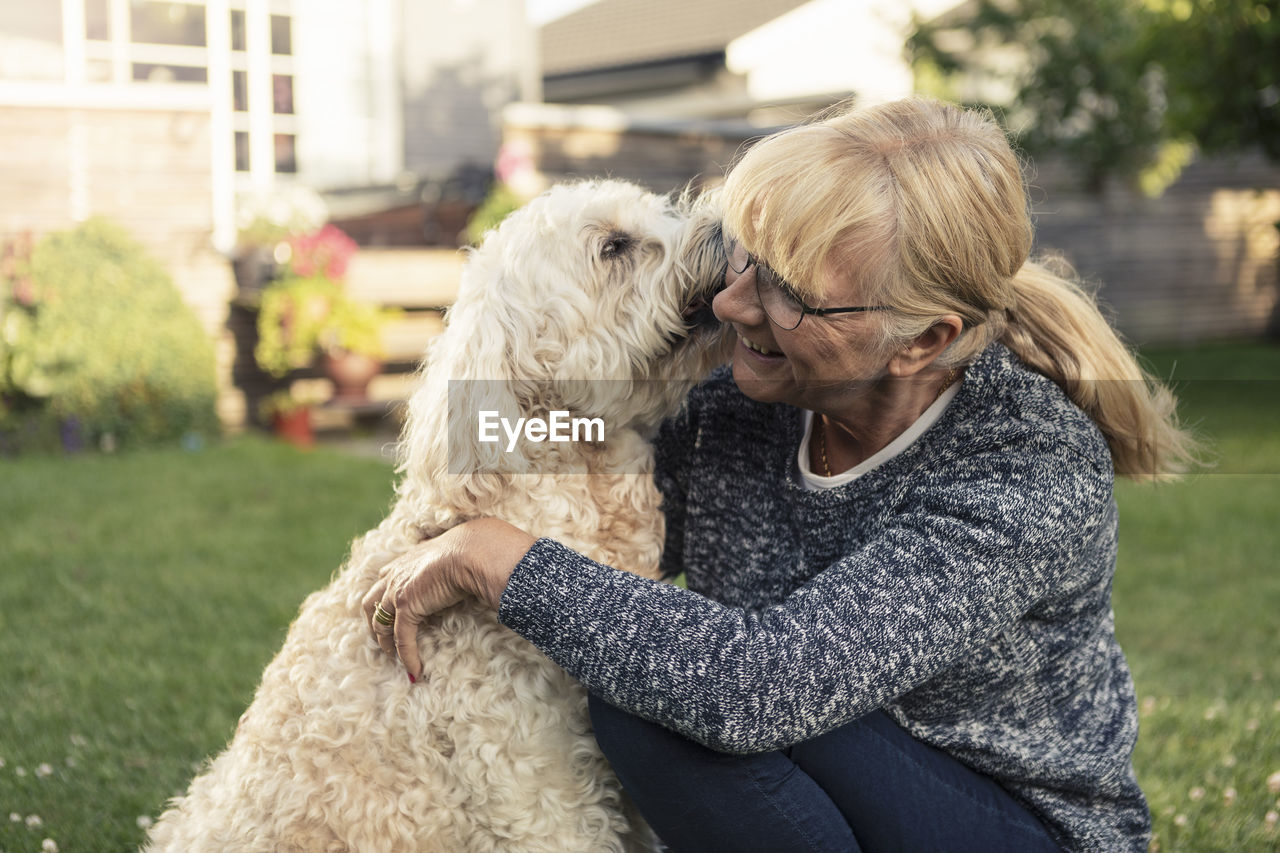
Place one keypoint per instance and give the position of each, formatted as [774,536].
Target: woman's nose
[736,302]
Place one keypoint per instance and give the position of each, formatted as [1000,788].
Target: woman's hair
[926,202]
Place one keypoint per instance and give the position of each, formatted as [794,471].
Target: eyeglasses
[781,304]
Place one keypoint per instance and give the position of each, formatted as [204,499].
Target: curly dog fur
[493,750]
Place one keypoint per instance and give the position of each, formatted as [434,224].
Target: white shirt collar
[927,418]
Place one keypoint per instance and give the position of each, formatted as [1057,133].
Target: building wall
[463,60]
[846,47]
[146,169]
[350,119]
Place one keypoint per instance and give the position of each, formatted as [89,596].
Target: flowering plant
[307,311]
[326,252]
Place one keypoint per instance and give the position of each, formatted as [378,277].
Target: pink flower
[325,252]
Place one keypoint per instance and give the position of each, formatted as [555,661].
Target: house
[665,92]
[247,94]
[766,61]
[161,115]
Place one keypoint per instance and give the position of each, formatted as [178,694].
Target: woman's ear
[926,347]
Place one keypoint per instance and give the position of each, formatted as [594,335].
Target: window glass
[237,29]
[282,94]
[281,35]
[98,70]
[167,23]
[239,91]
[242,151]
[286,154]
[31,41]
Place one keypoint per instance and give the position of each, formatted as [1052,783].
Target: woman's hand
[475,559]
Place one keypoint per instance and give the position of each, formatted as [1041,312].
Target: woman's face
[819,365]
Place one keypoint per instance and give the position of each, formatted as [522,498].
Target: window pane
[149,72]
[239,91]
[281,35]
[237,29]
[282,91]
[167,23]
[31,41]
[242,151]
[286,155]
[97,20]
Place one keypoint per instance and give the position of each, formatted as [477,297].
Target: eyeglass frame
[730,244]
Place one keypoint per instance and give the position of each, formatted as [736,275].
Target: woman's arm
[957,567]
[936,584]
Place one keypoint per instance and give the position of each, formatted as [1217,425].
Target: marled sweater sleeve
[965,557]
[671,451]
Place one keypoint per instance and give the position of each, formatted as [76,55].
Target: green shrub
[102,349]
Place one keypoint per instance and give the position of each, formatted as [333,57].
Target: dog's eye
[615,245]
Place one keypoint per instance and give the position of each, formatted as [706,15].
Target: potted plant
[307,313]
[290,418]
[351,339]
[291,313]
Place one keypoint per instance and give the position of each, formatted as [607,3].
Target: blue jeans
[868,786]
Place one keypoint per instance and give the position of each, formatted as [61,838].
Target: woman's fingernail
[412,680]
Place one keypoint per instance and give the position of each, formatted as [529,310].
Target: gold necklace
[822,424]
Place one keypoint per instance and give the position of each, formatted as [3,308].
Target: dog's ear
[473,369]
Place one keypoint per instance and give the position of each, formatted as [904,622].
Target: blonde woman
[895,514]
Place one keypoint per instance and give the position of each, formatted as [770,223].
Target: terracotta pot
[351,373]
[294,427]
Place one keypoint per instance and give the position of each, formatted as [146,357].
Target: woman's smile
[759,350]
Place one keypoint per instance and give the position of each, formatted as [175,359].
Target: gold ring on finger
[381,616]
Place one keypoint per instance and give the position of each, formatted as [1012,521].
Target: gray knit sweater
[963,586]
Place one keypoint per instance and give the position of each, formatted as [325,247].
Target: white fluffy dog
[493,750]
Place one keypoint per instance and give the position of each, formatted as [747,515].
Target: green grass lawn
[1197,601]
[141,594]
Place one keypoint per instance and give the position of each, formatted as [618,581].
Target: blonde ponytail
[1056,328]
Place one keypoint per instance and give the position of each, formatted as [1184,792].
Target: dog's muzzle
[698,313]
